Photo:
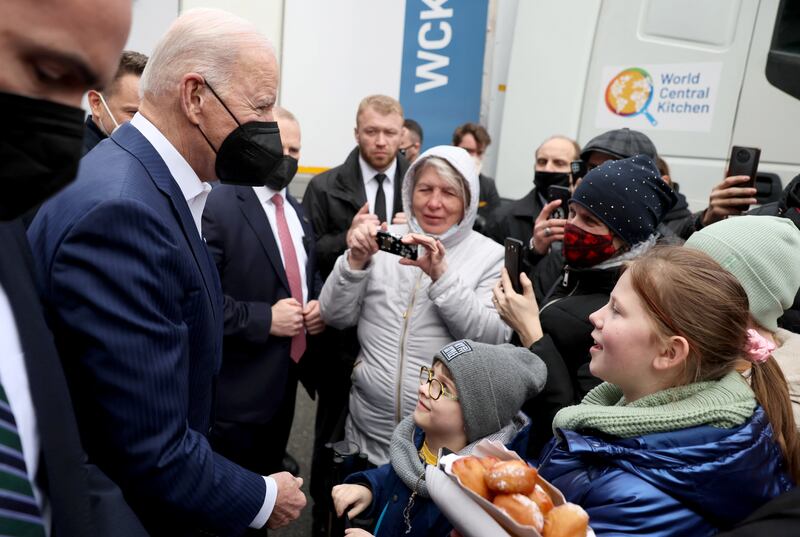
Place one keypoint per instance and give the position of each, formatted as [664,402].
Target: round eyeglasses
[435,387]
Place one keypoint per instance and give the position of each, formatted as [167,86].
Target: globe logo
[630,93]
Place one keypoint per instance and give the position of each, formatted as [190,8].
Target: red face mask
[583,249]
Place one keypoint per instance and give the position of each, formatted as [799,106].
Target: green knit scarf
[725,403]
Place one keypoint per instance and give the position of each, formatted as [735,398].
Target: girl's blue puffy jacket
[691,482]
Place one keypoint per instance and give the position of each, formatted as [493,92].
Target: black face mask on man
[40,147]
[544,180]
[252,154]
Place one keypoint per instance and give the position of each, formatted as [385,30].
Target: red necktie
[292,272]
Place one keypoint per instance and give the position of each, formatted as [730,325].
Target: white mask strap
[108,111]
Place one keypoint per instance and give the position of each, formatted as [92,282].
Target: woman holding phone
[405,308]
[614,216]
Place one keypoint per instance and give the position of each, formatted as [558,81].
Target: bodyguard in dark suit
[244,230]
[131,290]
[517,218]
[42,462]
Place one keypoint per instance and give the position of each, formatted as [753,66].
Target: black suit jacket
[83,500]
[91,136]
[255,365]
[516,219]
[331,201]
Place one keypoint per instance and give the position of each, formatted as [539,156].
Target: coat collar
[130,139]
[348,184]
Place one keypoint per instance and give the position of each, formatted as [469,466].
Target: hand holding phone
[562,193]
[394,245]
[744,161]
[736,192]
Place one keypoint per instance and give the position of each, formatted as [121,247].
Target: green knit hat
[763,252]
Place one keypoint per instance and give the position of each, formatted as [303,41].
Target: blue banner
[442,70]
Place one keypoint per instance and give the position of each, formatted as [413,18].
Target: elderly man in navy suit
[131,290]
[263,246]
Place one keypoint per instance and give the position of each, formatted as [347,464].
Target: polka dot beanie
[628,196]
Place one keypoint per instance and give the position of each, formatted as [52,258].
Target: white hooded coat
[404,319]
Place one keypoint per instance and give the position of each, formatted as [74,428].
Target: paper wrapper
[472,515]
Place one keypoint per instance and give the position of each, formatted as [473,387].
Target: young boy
[473,391]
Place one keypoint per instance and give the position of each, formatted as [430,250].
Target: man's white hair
[204,41]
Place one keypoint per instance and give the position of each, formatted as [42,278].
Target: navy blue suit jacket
[255,367]
[135,304]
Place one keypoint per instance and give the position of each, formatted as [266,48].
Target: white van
[697,76]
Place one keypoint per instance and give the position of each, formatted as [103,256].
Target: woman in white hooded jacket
[406,309]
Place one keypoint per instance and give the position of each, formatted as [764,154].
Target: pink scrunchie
[757,347]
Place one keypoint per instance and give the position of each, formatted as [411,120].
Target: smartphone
[394,245]
[514,262]
[744,161]
[562,193]
[578,170]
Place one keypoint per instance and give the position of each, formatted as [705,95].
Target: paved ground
[300,444]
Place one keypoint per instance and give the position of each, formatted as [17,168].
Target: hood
[461,161]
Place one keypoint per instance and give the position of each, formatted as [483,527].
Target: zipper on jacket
[565,281]
[401,364]
[560,298]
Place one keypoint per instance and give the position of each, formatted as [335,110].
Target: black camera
[394,245]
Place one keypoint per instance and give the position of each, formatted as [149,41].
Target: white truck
[697,76]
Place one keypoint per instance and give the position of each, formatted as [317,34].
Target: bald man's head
[58,49]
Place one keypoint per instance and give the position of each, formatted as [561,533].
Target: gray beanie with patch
[492,381]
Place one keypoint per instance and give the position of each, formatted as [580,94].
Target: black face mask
[544,180]
[252,154]
[40,147]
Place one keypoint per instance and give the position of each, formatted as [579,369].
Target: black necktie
[380,199]
[19,512]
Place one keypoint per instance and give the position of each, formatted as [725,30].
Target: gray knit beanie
[493,381]
[763,252]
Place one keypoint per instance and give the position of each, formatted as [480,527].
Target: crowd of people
[162,294]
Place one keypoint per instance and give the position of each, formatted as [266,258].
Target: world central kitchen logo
[632,92]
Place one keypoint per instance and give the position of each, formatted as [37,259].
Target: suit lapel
[399,175]
[349,183]
[62,475]
[129,138]
[258,221]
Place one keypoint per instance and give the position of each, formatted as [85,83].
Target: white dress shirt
[368,173]
[14,378]
[264,195]
[195,192]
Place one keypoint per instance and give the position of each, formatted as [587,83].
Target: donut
[511,477]
[568,520]
[542,499]
[470,471]
[489,461]
[522,509]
